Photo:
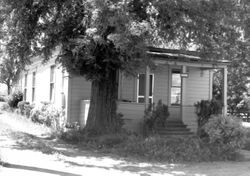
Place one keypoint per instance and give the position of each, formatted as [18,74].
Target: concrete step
[173,133]
[173,128]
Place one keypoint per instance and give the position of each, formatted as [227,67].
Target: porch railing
[243,115]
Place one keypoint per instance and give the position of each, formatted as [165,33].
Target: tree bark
[8,88]
[102,117]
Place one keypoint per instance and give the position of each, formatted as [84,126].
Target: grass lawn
[25,146]
[247,144]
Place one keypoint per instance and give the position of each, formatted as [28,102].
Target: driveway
[27,151]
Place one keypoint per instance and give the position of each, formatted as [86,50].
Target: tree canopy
[80,27]
[9,72]
[99,37]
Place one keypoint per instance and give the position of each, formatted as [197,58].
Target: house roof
[182,56]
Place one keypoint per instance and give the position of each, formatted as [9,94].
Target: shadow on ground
[68,154]
[46,145]
[38,169]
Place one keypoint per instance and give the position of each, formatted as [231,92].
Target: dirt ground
[25,150]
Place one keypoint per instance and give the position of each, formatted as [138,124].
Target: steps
[173,128]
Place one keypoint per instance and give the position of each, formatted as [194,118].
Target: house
[179,79]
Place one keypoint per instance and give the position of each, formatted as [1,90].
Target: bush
[173,149]
[14,98]
[155,116]
[110,140]
[225,136]
[47,114]
[2,98]
[25,108]
[70,133]
[204,110]
[5,107]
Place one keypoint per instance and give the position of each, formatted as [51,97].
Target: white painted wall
[79,89]
[42,83]
[197,88]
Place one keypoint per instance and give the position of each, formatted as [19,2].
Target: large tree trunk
[8,88]
[102,117]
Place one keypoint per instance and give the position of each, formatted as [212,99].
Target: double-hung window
[52,83]
[25,87]
[176,87]
[33,85]
[141,88]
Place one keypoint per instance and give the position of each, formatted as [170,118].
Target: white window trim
[33,87]
[137,90]
[52,94]
[170,87]
[25,86]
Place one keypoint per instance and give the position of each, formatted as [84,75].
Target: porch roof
[183,56]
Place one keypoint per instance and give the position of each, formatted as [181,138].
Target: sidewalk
[26,152]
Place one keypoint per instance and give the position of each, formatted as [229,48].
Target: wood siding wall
[197,87]
[127,88]
[133,115]
[160,89]
[42,83]
[80,89]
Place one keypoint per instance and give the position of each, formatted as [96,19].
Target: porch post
[146,96]
[224,91]
[120,85]
[183,80]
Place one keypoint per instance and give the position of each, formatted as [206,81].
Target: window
[141,88]
[33,85]
[25,87]
[176,88]
[52,83]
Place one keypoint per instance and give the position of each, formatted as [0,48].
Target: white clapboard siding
[197,88]
[128,90]
[80,89]
[161,84]
[132,114]
[160,87]
[42,83]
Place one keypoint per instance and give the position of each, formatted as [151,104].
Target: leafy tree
[9,72]
[99,37]
[238,78]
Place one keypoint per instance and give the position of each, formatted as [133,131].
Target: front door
[175,95]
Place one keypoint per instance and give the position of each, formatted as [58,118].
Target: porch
[178,80]
[134,115]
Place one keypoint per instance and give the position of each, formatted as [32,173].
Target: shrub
[155,116]
[110,140]
[5,107]
[25,108]
[20,106]
[71,132]
[204,110]
[225,136]
[173,149]
[2,98]
[47,114]
[14,98]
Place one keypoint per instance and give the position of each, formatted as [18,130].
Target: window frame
[33,85]
[143,96]
[174,86]
[52,83]
[25,86]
